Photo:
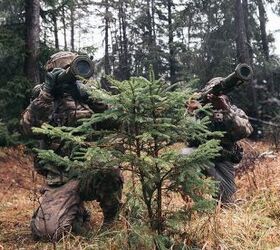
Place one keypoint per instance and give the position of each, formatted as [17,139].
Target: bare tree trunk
[243,52]
[72,25]
[149,21]
[189,30]
[153,23]
[247,31]
[160,226]
[152,36]
[241,41]
[124,44]
[64,28]
[170,43]
[55,30]
[32,42]
[107,58]
[262,19]
[114,45]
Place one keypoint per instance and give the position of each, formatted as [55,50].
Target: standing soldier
[61,206]
[229,119]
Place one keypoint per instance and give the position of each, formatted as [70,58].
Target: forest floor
[252,223]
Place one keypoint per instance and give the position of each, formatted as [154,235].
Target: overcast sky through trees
[273,26]
[95,35]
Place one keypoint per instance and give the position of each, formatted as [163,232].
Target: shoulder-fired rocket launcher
[241,74]
[80,68]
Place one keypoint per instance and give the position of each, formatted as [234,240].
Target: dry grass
[252,223]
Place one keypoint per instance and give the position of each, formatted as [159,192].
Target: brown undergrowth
[253,222]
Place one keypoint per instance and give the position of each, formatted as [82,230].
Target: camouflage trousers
[61,208]
[223,172]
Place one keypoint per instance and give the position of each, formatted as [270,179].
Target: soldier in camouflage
[61,206]
[236,126]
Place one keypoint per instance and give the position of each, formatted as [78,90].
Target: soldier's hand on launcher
[192,105]
[219,102]
[51,79]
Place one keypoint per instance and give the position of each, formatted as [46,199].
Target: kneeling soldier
[61,206]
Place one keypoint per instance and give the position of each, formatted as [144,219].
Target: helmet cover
[60,59]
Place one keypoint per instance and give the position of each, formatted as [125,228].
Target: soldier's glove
[192,105]
[219,102]
[51,80]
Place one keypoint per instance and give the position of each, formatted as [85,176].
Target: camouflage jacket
[234,122]
[235,125]
[57,111]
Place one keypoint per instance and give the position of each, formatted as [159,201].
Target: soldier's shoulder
[238,111]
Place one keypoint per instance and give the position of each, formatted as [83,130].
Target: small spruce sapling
[148,121]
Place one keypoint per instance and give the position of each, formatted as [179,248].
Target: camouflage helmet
[60,59]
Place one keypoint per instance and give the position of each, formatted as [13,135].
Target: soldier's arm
[41,108]
[95,105]
[237,123]
[230,118]
[38,112]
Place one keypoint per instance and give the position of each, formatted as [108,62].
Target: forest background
[190,41]
[187,43]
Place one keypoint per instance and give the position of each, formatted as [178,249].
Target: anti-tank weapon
[80,68]
[66,82]
[219,86]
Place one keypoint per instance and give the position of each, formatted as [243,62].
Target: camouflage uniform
[234,122]
[61,205]
[235,125]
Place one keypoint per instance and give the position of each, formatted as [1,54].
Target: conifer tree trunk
[106,58]
[124,43]
[153,23]
[32,41]
[242,48]
[262,19]
[72,25]
[170,43]
[243,52]
[150,10]
[189,30]
[114,44]
[64,28]
[247,31]
[149,21]
[55,31]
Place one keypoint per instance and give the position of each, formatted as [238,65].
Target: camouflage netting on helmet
[60,59]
